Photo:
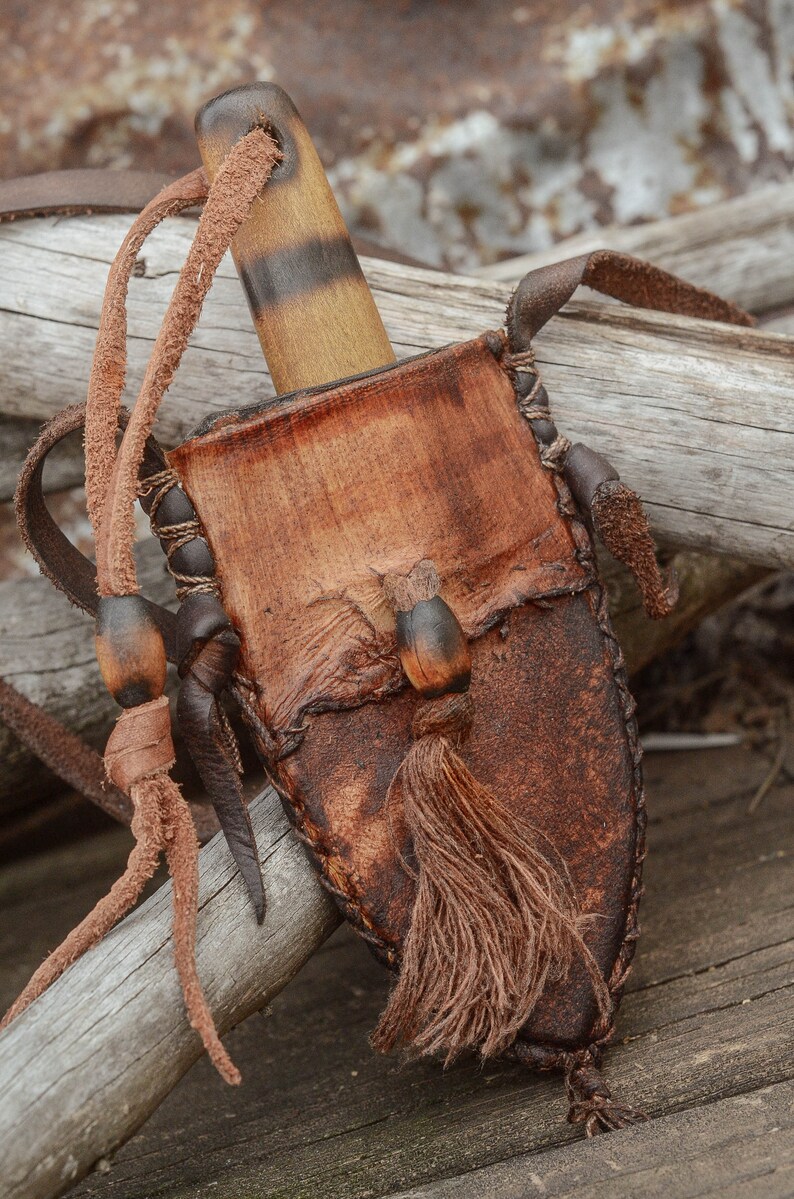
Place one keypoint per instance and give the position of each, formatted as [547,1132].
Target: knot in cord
[590,1099]
[450,716]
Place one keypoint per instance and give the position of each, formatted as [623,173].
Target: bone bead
[433,649]
[129,650]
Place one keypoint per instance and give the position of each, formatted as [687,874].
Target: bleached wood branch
[84,1066]
[696,416]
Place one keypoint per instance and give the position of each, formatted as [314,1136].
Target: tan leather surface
[321,494]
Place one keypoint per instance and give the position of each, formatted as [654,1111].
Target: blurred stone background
[457,133]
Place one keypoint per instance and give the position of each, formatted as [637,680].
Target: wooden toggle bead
[129,650]
[585,471]
[433,649]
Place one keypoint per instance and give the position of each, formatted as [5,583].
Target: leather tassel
[619,520]
[495,919]
[622,526]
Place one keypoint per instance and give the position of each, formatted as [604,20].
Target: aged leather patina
[285,527]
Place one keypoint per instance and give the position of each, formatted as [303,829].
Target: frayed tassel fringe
[494,922]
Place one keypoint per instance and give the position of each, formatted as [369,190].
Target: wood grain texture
[113,1032]
[695,416]
[730,1148]
[702,1042]
[313,311]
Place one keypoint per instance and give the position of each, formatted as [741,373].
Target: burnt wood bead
[585,471]
[129,650]
[525,381]
[433,649]
[545,431]
[174,508]
[192,558]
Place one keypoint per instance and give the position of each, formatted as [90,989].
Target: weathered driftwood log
[693,415]
[740,248]
[47,653]
[84,1066]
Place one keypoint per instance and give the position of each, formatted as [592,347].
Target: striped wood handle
[312,307]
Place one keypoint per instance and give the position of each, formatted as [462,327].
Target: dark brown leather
[306,505]
[63,564]
[209,649]
[64,193]
[87,190]
[585,471]
[543,292]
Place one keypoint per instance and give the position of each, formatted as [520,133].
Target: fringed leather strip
[147,828]
[495,918]
[109,367]
[71,758]
[139,755]
[614,510]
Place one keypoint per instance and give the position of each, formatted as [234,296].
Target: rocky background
[458,134]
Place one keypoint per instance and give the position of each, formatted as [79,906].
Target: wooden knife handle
[312,307]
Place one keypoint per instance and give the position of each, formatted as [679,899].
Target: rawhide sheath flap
[307,502]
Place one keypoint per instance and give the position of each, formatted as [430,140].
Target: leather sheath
[307,502]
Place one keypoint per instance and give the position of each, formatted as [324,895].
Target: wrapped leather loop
[58,559]
[613,508]
[140,745]
[543,292]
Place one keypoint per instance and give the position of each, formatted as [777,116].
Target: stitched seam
[600,1036]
